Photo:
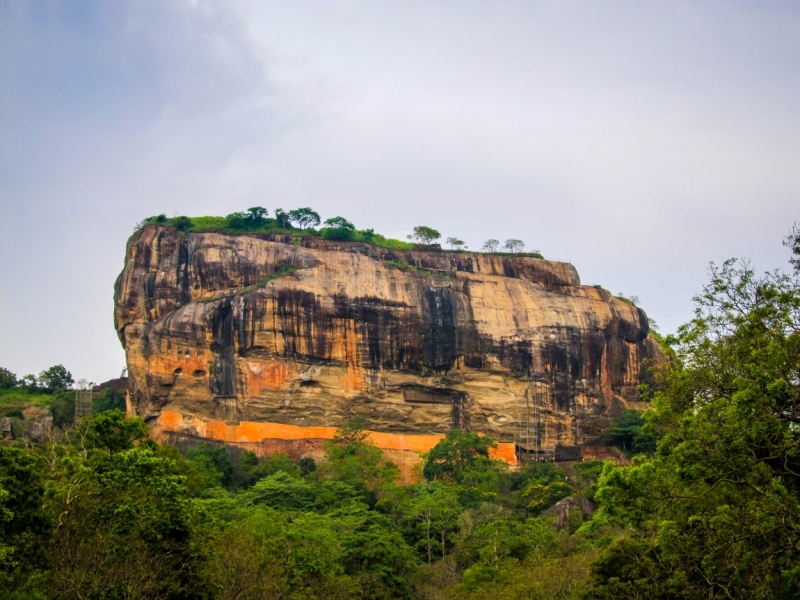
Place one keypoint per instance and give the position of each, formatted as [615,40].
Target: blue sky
[639,140]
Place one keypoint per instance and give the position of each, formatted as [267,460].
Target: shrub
[181,223]
[335,234]
[108,400]
[390,243]
[338,228]
[252,218]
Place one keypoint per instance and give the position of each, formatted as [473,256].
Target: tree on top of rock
[282,217]
[338,228]
[424,235]
[252,218]
[490,245]
[304,217]
[455,243]
[514,245]
[7,379]
[339,223]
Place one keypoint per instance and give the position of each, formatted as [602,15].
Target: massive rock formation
[274,341]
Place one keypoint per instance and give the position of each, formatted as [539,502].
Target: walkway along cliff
[271,342]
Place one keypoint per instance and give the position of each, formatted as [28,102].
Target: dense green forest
[710,507]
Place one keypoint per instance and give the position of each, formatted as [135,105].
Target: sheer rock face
[459,339]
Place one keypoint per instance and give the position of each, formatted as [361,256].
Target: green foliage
[404,266]
[283,272]
[434,508]
[665,341]
[390,243]
[106,512]
[282,218]
[627,434]
[126,529]
[538,486]
[343,234]
[352,459]
[255,220]
[455,243]
[55,378]
[458,453]
[710,507]
[108,399]
[181,223]
[491,245]
[380,560]
[252,218]
[306,466]
[23,525]
[304,217]
[111,431]
[424,235]
[62,407]
[632,300]
[7,379]
[717,508]
[247,470]
[513,245]
[209,223]
[585,476]
[365,235]
[213,464]
[284,492]
[397,264]
[339,223]
[247,562]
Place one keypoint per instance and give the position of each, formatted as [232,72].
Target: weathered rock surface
[496,344]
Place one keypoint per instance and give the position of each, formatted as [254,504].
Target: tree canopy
[709,507]
[424,235]
[490,245]
[717,508]
[304,217]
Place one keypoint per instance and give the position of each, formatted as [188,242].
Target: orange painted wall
[252,432]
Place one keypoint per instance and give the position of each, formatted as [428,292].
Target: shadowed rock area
[306,332]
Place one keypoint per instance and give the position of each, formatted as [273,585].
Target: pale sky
[638,140]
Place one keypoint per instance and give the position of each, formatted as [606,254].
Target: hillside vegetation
[710,507]
[306,222]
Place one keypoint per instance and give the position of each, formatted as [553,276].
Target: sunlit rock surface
[220,348]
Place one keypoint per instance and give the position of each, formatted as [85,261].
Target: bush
[253,218]
[63,409]
[181,223]
[626,434]
[391,243]
[108,400]
[337,234]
